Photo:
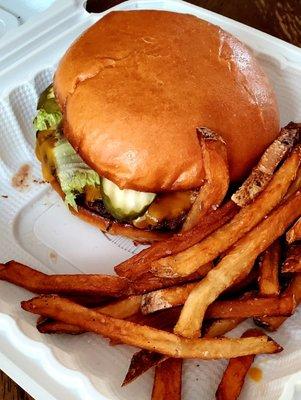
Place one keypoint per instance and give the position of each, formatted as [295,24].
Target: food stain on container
[22,177]
[255,374]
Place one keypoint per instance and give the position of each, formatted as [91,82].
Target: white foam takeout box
[36,228]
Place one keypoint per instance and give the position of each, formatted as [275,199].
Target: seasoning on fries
[236,262]
[146,338]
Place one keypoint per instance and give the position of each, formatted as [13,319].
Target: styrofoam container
[37,229]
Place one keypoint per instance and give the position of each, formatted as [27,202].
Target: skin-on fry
[120,309]
[219,327]
[292,262]
[168,380]
[148,282]
[40,283]
[263,172]
[268,281]
[166,298]
[188,261]
[141,362]
[237,261]
[235,373]
[212,193]
[294,233]
[141,262]
[244,308]
[273,323]
[284,305]
[147,338]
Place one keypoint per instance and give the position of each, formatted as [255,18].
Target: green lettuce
[72,172]
[45,120]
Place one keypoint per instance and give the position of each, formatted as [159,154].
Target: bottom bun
[113,227]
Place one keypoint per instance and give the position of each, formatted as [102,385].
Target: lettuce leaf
[45,120]
[72,172]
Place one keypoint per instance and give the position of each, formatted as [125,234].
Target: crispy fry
[147,338]
[296,184]
[141,362]
[263,172]
[245,308]
[212,193]
[273,323]
[284,305]
[237,261]
[243,282]
[164,319]
[294,233]
[293,259]
[235,373]
[268,281]
[50,326]
[40,283]
[187,261]
[148,282]
[141,262]
[120,309]
[166,298]
[168,380]
[219,327]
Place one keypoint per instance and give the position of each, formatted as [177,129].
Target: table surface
[279,18]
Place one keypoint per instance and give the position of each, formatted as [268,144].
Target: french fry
[284,305]
[243,282]
[141,362]
[294,233]
[235,373]
[166,298]
[40,283]
[147,338]
[237,261]
[219,327]
[148,282]
[296,184]
[273,323]
[164,319]
[292,262]
[122,309]
[244,308]
[141,262]
[212,193]
[168,380]
[187,261]
[263,172]
[268,281]
[49,326]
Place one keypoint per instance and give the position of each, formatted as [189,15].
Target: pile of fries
[177,299]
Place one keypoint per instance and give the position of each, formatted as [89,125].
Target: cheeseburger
[117,130]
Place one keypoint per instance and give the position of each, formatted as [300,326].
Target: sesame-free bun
[136,85]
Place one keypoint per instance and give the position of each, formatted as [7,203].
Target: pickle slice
[124,204]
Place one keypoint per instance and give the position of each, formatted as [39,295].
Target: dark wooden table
[279,18]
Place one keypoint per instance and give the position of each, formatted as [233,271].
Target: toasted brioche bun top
[136,85]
